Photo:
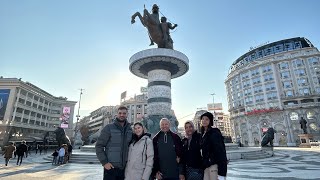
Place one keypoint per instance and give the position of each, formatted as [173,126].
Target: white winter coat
[140,160]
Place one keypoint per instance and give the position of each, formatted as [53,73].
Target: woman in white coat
[140,157]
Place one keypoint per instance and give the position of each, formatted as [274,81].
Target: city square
[168,90]
[287,164]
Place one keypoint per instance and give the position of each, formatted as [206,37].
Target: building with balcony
[274,85]
[28,112]
[101,117]
[137,107]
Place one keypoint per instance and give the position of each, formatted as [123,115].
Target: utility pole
[78,117]
[214,115]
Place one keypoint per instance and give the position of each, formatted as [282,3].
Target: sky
[62,46]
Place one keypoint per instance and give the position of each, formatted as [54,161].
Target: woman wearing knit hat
[213,150]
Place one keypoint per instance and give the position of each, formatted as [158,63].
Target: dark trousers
[7,161]
[113,174]
[19,158]
[171,179]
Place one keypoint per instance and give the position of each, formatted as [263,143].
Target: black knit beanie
[210,116]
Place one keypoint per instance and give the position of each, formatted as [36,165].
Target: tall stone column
[159,66]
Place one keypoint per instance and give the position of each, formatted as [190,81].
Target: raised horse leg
[140,17]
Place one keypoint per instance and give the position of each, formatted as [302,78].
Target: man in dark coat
[113,144]
[22,148]
[167,153]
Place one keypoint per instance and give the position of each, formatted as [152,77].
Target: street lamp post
[214,115]
[78,118]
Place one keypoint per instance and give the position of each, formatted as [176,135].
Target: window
[245,75]
[278,48]
[298,63]
[270,86]
[285,75]
[257,89]
[287,84]
[289,93]
[302,82]
[310,114]
[272,95]
[248,100]
[294,116]
[259,98]
[304,91]
[255,72]
[267,68]
[314,61]
[284,65]
[300,72]
[246,83]
[268,51]
[268,77]
[289,46]
[247,92]
[22,101]
[256,80]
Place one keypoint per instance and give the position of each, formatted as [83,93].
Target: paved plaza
[287,164]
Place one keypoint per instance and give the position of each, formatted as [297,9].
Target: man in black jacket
[191,157]
[21,150]
[112,146]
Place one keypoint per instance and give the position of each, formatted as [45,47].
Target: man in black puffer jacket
[113,144]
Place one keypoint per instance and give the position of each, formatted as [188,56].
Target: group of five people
[133,155]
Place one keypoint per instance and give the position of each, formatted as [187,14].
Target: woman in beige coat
[140,157]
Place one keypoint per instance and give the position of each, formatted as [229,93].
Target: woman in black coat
[191,157]
[213,149]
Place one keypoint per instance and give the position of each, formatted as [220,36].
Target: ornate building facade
[274,85]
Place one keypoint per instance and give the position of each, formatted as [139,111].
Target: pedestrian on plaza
[61,155]
[55,156]
[37,148]
[213,149]
[15,152]
[69,151]
[21,151]
[66,154]
[29,149]
[40,149]
[191,158]
[8,152]
[140,157]
[167,153]
[45,148]
[113,144]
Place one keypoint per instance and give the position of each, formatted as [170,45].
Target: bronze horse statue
[61,136]
[158,32]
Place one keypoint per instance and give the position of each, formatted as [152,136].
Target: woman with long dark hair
[213,149]
[140,157]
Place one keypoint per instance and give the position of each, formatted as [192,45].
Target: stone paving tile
[287,164]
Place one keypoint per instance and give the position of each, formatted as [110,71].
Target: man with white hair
[167,153]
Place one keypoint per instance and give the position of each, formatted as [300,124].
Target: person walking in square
[191,158]
[61,155]
[167,153]
[8,152]
[55,157]
[21,151]
[140,157]
[213,149]
[113,144]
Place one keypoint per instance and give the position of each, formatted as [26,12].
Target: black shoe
[6,164]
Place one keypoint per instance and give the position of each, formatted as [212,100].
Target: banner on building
[4,96]
[123,95]
[215,106]
[66,111]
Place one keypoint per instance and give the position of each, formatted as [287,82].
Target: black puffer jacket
[191,154]
[214,150]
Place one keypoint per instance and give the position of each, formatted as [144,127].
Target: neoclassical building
[274,85]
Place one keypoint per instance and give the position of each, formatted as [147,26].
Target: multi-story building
[28,112]
[196,119]
[101,117]
[137,107]
[274,85]
[222,122]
